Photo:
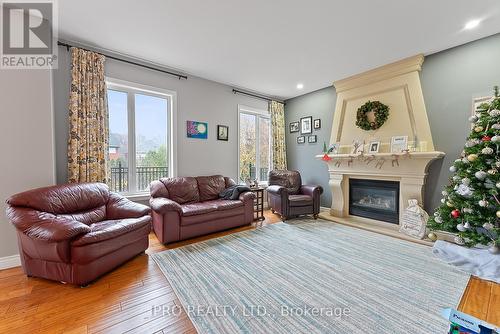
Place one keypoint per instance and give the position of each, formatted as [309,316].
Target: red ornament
[455,213]
[326,157]
[486,138]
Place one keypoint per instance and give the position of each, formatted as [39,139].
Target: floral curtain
[277,110]
[88,118]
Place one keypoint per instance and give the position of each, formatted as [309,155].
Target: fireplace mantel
[410,170]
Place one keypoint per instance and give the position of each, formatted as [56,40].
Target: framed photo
[301,139]
[312,139]
[306,125]
[223,132]
[294,127]
[373,147]
[357,147]
[198,130]
[334,148]
[317,124]
[399,144]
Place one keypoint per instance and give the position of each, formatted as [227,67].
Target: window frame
[259,113]
[131,88]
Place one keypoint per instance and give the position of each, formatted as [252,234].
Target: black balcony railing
[144,176]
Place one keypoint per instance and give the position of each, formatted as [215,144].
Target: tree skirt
[476,261]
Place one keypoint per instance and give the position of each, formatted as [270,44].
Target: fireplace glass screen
[374,199]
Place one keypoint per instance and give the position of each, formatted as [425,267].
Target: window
[254,144]
[141,139]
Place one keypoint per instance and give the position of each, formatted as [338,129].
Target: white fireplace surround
[398,86]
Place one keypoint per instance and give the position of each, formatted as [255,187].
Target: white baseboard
[10,262]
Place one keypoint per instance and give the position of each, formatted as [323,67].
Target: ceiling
[269,46]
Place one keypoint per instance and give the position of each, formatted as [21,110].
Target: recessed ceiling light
[471,24]
[300,86]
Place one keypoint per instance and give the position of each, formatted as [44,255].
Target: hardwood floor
[123,300]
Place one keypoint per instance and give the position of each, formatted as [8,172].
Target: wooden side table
[258,206]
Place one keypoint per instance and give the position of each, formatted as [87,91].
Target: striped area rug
[307,276]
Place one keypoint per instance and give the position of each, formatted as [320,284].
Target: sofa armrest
[45,226]
[162,205]
[311,190]
[119,207]
[277,190]
[247,196]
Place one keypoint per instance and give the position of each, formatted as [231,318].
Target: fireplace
[374,199]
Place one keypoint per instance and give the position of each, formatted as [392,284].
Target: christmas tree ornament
[478,129]
[496,126]
[465,160]
[486,138]
[464,191]
[453,169]
[459,240]
[498,185]
[432,236]
[483,203]
[472,142]
[488,226]
[456,178]
[492,171]
[460,227]
[449,204]
[443,200]
[472,157]
[466,181]
[444,193]
[494,113]
[467,225]
[438,220]
[498,214]
[495,139]
[487,150]
[494,249]
[497,164]
[467,210]
[480,175]
[437,214]
[473,119]
[455,213]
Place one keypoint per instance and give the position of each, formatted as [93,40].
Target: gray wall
[301,157]
[197,99]
[26,141]
[450,80]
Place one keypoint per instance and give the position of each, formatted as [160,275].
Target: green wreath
[381,114]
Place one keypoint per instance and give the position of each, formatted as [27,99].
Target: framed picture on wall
[312,139]
[223,132]
[306,125]
[294,127]
[301,139]
[317,124]
[195,129]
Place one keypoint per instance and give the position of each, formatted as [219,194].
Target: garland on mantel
[370,158]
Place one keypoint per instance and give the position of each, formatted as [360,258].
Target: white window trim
[132,87]
[242,109]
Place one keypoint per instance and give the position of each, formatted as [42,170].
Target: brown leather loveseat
[186,207]
[74,233]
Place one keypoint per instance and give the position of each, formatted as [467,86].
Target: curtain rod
[180,76]
[262,97]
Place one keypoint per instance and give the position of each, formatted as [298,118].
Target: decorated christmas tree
[470,206]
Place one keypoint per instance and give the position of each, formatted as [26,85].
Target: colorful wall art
[197,130]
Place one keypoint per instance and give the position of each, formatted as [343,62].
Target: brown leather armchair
[287,196]
[75,233]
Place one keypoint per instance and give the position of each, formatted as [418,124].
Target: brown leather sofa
[186,207]
[287,196]
[75,233]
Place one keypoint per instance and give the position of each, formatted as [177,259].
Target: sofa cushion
[210,186]
[225,204]
[110,229]
[300,200]
[195,209]
[208,218]
[182,189]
